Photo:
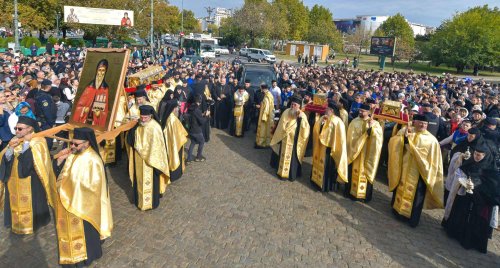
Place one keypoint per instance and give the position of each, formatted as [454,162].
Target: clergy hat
[247,80]
[29,122]
[420,117]
[170,105]
[365,107]
[154,82]
[141,93]
[141,87]
[86,134]
[296,98]
[146,109]
[46,82]
[331,104]
[481,148]
[240,87]
[474,131]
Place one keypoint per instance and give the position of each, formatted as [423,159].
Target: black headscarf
[168,109]
[86,134]
[167,95]
[462,147]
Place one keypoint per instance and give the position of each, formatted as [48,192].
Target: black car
[258,74]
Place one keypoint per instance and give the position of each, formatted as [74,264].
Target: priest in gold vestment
[364,144]
[155,94]
[415,171]
[329,164]
[175,139]
[289,141]
[26,179]
[241,107]
[82,204]
[148,162]
[266,119]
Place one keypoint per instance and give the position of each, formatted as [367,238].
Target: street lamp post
[152,33]
[58,14]
[182,16]
[16,27]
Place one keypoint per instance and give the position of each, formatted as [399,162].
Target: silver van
[260,55]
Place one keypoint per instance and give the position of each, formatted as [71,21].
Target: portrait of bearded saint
[92,106]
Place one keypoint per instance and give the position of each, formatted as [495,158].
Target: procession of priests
[347,153]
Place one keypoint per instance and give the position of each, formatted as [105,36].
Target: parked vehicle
[221,50]
[257,74]
[207,52]
[243,52]
[260,55]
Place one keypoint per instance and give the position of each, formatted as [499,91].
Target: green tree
[397,26]
[297,16]
[252,20]
[231,34]
[191,24]
[469,38]
[322,29]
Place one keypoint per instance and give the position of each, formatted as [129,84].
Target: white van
[260,55]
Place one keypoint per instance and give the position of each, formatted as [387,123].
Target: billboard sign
[88,15]
[383,46]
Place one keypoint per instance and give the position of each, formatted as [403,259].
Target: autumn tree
[297,16]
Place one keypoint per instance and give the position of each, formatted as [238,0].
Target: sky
[427,12]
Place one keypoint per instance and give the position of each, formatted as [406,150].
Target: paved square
[232,211]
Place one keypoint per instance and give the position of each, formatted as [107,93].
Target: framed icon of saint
[101,83]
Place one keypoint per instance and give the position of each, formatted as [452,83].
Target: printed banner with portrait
[101,84]
[89,15]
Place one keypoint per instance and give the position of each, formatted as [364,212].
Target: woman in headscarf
[175,138]
[471,211]
[22,109]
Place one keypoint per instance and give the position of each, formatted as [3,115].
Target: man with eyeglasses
[148,161]
[27,176]
[81,203]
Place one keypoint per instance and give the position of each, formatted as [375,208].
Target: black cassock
[93,240]
[224,106]
[311,118]
[470,216]
[330,171]
[295,170]
[26,167]
[177,173]
[156,174]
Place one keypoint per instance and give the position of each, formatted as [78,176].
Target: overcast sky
[427,12]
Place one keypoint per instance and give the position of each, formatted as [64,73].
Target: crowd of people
[446,156]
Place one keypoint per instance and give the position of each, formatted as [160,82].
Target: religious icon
[72,16]
[101,83]
[92,107]
[126,22]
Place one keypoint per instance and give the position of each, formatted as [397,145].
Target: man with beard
[148,161]
[81,228]
[289,141]
[224,106]
[216,89]
[92,106]
[240,110]
[364,144]
[27,176]
[474,195]
[175,139]
[329,151]
[266,119]
[251,105]
[415,171]
[155,94]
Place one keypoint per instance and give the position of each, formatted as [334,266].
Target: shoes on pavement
[200,159]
